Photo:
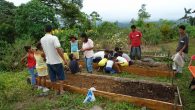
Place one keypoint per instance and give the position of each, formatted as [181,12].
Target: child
[124,55]
[120,61]
[41,67]
[103,62]
[109,66]
[73,65]
[74,46]
[31,63]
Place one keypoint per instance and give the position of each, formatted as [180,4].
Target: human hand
[82,49]
[65,62]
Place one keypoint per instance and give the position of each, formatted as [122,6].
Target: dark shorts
[56,72]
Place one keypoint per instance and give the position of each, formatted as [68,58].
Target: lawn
[15,94]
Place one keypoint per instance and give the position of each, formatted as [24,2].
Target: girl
[41,67]
[87,48]
[74,46]
[31,62]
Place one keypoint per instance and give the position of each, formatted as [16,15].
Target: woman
[87,48]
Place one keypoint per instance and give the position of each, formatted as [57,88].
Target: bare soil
[131,88]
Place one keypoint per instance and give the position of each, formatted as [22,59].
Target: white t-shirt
[109,63]
[88,44]
[124,55]
[99,54]
[49,44]
[121,59]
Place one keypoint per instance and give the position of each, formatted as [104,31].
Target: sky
[125,10]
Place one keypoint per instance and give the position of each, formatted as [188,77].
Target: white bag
[90,96]
[179,59]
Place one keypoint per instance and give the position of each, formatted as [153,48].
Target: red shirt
[31,62]
[135,38]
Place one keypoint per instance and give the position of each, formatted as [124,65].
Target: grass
[15,94]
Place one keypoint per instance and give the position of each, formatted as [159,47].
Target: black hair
[120,53]
[84,35]
[182,27]
[116,55]
[73,37]
[71,57]
[107,51]
[48,28]
[27,48]
[133,27]
[117,49]
[38,46]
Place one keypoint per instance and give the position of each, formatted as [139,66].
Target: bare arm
[182,48]
[61,55]
[23,58]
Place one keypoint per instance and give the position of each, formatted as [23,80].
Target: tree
[142,15]
[7,29]
[94,18]
[32,17]
[69,10]
[188,16]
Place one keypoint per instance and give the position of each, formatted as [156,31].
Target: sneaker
[45,89]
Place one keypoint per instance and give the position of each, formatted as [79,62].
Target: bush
[64,35]
[12,53]
[151,34]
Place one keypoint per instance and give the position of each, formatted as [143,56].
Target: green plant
[64,35]
[12,53]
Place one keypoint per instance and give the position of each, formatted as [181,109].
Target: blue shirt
[74,46]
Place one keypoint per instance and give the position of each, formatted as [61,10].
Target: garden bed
[161,71]
[141,93]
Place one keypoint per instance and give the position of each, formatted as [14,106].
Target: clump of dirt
[131,88]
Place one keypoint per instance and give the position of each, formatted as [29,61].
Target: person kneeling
[120,61]
[109,66]
[73,65]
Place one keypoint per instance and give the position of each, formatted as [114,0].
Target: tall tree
[32,17]
[143,15]
[69,10]
[7,28]
[94,18]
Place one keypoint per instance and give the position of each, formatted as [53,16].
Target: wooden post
[175,101]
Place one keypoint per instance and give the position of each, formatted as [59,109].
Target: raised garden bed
[141,93]
[161,71]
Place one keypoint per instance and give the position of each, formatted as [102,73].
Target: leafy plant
[12,53]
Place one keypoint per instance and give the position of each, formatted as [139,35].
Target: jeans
[33,75]
[135,51]
[89,64]
[56,72]
[109,70]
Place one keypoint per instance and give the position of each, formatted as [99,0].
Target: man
[182,47]
[134,43]
[51,47]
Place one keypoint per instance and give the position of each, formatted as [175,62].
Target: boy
[109,66]
[135,43]
[182,47]
[73,65]
[120,61]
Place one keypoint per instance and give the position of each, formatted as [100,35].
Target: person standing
[87,48]
[182,47]
[135,43]
[74,46]
[51,47]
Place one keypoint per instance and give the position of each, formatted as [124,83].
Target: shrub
[64,35]
[12,53]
